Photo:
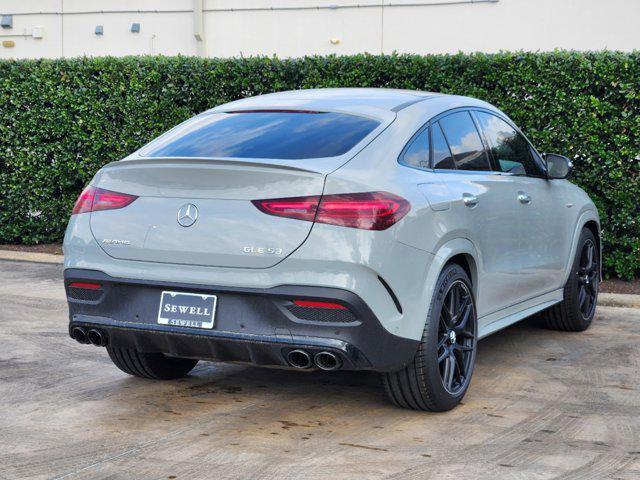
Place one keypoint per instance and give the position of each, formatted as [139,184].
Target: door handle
[524,198]
[469,200]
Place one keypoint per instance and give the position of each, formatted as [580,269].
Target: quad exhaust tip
[79,334]
[327,361]
[299,359]
[93,336]
[323,360]
[97,338]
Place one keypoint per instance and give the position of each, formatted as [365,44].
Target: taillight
[368,211]
[93,199]
[301,208]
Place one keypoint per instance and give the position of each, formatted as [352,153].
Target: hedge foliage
[61,120]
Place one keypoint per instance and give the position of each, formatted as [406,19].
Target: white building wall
[292,28]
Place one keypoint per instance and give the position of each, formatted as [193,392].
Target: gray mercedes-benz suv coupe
[356,229]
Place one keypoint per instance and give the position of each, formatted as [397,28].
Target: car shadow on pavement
[212,386]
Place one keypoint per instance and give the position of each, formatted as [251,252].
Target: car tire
[575,313]
[440,373]
[156,366]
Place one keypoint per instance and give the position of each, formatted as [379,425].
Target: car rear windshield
[264,134]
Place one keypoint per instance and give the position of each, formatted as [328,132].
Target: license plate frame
[187,310]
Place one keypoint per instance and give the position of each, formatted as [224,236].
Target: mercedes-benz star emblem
[187,215]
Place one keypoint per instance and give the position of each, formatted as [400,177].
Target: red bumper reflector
[314,304]
[86,285]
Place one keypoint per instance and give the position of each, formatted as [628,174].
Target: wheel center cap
[452,336]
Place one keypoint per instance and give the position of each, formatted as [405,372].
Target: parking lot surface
[542,404]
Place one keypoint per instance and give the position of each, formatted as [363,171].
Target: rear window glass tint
[278,135]
[510,149]
[442,158]
[417,153]
[464,141]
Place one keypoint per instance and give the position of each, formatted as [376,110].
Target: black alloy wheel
[456,338]
[440,373]
[580,294]
[588,279]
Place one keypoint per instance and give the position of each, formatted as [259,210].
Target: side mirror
[557,165]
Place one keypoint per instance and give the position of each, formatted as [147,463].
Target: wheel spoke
[449,367]
[453,301]
[589,256]
[459,358]
[462,325]
[446,318]
[582,296]
[443,355]
[463,348]
[587,306]
[462,310]
[465,334]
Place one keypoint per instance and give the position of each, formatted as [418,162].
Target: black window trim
[471,111]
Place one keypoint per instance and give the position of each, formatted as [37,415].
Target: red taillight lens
[93,199]
[314,304]
[301,208]
[368,210]
[84,201]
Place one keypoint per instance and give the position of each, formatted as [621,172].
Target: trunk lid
[227,230]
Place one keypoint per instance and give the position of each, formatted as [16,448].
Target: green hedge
[61,120]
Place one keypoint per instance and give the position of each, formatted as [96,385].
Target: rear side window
[417,153]
[464,141]
[442,158]
[264,134]
[510,150]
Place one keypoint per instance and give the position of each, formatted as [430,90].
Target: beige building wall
[292,28]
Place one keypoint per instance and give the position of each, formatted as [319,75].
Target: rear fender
[444,254]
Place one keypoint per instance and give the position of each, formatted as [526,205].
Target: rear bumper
[258,326]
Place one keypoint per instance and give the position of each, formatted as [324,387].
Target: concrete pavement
[542,404]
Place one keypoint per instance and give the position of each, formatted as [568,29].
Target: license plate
[181,309]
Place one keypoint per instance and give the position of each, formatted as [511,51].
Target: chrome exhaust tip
[299,359]
[79,334]
[327,361]
[97,338]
